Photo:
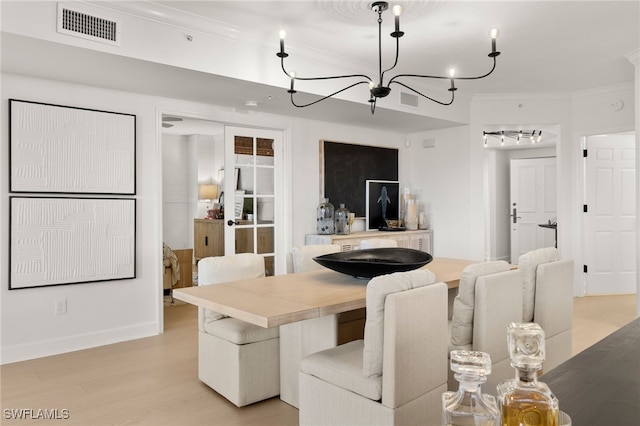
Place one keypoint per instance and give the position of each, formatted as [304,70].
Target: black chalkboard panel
[347,167]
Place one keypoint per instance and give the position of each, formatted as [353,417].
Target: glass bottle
[524,401]
[325,222]
[411,214]
[469,406]
[342,220]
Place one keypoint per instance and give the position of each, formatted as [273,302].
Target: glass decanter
[469,406]
[325,221]
[342,220]
[524,401]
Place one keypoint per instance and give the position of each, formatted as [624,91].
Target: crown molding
[605,90]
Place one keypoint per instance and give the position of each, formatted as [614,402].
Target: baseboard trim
[44,348]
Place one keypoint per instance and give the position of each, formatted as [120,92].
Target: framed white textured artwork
[69,150]
[56,241]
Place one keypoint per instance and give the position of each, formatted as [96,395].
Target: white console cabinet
[418,240]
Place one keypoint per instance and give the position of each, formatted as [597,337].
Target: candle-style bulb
[282,55]
[397,11]
[452,72]
[494,33]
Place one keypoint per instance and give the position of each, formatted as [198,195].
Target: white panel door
[533,202]
[610,232]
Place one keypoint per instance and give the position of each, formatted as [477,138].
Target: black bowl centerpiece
[370,263]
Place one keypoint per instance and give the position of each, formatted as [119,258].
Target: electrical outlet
[61,306]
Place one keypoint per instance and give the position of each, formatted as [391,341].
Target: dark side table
[551,226]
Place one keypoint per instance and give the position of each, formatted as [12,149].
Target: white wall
[440,177]
[177,222]
[108,312]
[98,313]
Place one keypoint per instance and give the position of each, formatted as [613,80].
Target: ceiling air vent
[81,24]
[408,99]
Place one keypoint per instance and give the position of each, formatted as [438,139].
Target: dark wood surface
[601,385]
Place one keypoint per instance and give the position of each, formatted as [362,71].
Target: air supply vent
[409,99]
[81,24]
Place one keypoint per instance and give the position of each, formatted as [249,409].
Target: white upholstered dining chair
[489,298]
[369,243]
[238,360]
[547,283]
[302,256]
[397,374]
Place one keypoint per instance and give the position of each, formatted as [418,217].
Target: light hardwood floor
[154,381]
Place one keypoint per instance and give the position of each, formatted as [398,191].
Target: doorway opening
[218,194]
[503,233]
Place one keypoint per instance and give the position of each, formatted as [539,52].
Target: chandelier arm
[322,78]
[395,62]
[481,76]
[328,96]
[444,77]
[335,77]
[425,96]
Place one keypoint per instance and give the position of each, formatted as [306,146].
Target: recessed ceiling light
[251,104]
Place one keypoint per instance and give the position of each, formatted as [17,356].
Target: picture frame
[345,168]
[60,241]
[70,150]
[377,192]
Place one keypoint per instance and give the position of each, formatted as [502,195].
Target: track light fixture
[377,87]
[533,135]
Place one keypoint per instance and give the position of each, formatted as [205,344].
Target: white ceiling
[553,46]
[547,46]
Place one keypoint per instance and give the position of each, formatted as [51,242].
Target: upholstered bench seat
[342,366]
[239,332]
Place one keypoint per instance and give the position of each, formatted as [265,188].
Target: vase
[411,215]
[342,220]
[325,218]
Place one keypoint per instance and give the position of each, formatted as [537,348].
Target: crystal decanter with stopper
[524,401]
[469,406]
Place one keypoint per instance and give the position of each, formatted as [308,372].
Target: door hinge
[584,153]
[584,208]
[585,269]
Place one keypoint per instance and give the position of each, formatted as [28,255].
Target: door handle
[231,223]
[515,216]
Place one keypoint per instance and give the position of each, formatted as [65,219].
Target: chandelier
[377,87]
[533,135]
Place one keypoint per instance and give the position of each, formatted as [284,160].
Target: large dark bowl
[373,262]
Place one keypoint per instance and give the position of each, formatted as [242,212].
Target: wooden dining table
[304,305]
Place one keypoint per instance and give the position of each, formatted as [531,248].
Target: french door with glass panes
[251,207]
